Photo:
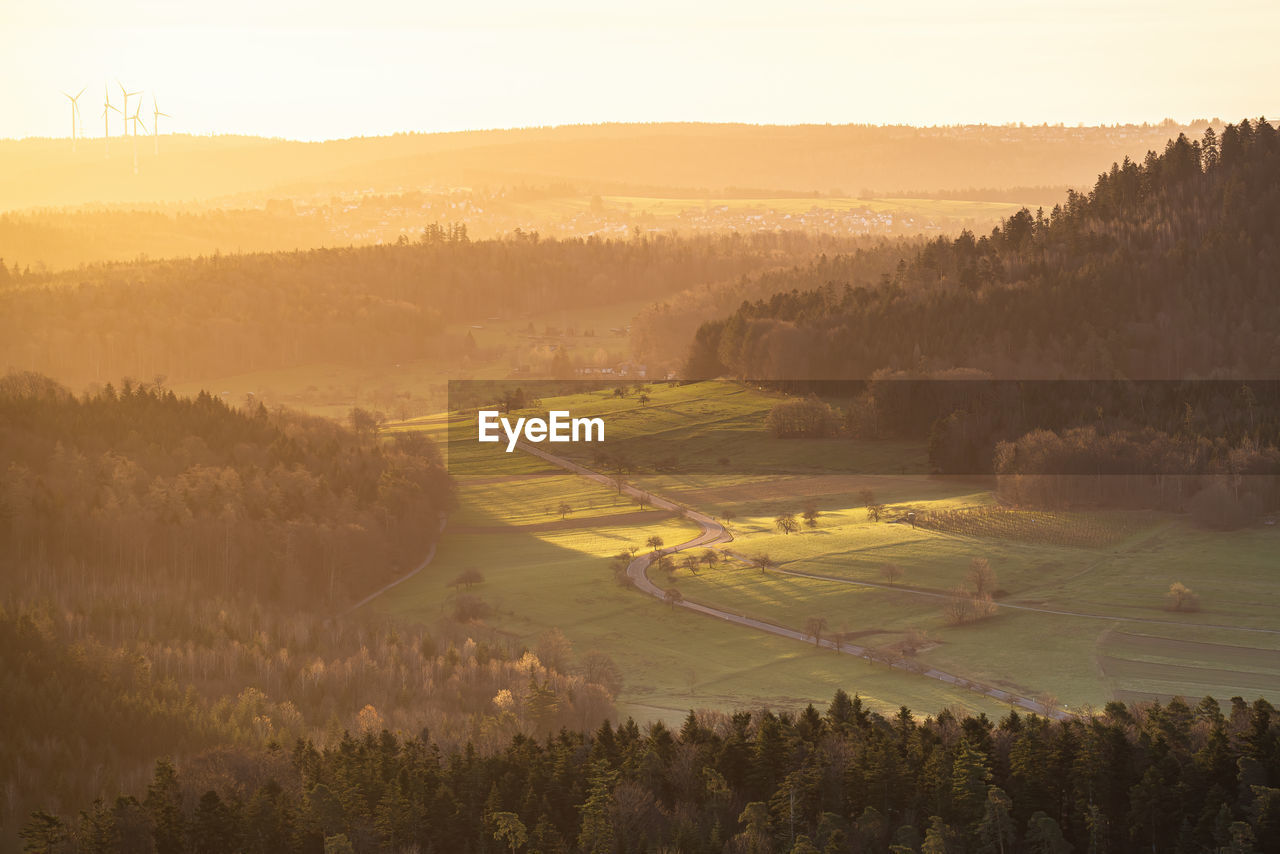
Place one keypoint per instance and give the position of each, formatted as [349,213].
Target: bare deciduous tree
[964,607]
[982,578]
[554,649]
[599,668]
[892,573]
[814,627]
[468,577]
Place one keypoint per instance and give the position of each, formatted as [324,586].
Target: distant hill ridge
[606,157]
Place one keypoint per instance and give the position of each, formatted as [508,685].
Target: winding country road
[712,533]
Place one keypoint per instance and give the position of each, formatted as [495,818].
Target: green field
[673,660]
[1060,605]
[1082,614]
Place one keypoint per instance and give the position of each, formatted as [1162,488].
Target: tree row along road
[713,533]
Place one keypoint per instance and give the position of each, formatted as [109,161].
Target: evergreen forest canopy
[1162,777]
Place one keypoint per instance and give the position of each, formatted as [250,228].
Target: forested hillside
[196,318]
[174,577]
[201,498]
[660,334]
[1166,269]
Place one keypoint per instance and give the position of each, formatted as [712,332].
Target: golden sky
[320,69]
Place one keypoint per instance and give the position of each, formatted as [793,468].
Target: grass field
[673,660]
[1064,602]
[1083,614]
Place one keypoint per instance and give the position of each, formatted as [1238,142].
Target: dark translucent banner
[629,425]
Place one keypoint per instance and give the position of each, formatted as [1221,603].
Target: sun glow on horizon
[316,71]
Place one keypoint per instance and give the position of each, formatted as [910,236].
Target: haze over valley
[933,502]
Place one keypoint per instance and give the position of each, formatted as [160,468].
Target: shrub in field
[964,607]
[807,418]
[468,608]
[1182,598]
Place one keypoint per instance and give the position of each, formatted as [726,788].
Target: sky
[322,69]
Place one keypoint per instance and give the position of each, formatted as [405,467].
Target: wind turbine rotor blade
[78,94]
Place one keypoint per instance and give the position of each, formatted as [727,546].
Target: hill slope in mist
[611,157]
[1166,269]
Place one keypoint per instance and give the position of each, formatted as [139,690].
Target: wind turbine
[124,110]
[75,114]
[137,121]
[155,121]
[107,107]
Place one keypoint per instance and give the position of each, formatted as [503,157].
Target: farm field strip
[537,582]
[712,533]
[1113,618]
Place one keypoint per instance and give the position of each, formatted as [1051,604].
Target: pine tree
[164,805]
[596,835]
[44,833]
[98,829]
[213,827]
[970,775]
[1044,836]
[996,831]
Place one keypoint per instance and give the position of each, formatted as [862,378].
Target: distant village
[383,218]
